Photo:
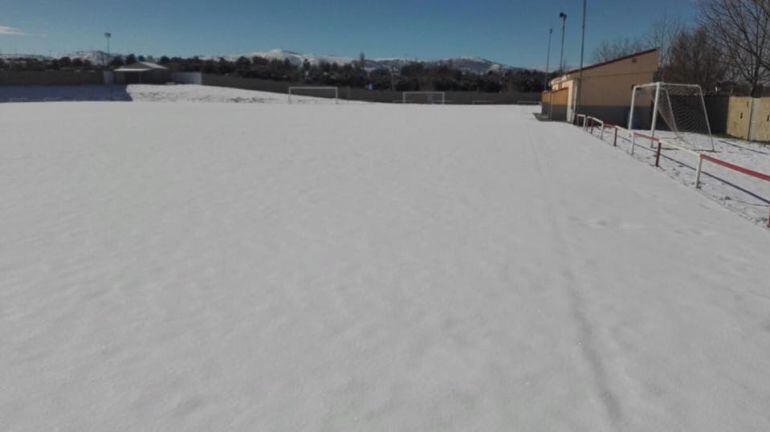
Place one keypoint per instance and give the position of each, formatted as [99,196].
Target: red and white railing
[589,123]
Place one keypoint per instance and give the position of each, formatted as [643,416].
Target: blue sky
[511,31]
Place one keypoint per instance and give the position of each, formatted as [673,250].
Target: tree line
[412,76]
[726,51]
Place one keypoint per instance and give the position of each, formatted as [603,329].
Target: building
[606,88]
[142,73]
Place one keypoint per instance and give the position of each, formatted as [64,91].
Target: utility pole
[548,59]
[582,51]
[563,17]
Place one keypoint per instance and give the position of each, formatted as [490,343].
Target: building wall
[554,104]
[610,85]
[606,89]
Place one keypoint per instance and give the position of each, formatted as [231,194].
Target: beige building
[606,87]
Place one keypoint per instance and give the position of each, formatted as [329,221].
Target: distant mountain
[475,65]
[27,56]
[96,57]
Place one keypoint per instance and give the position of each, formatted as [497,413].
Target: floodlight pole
[548,59]
[108,35]
[563,17]
[582,52]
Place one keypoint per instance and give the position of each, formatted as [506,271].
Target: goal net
[314,93]
[673,112]
[425,97]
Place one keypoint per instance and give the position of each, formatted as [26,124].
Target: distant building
[606,88]
[142,73]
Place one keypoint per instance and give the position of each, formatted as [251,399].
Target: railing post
[699,171]
[657,155]
[615,140]
[633,142]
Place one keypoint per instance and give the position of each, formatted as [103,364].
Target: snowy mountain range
[475,65]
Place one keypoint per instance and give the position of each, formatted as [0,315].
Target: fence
[658,144]
[51,78]
[349,93]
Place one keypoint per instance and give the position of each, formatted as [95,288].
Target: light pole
[582,51]
[563,17]
[548,59]
[107,36]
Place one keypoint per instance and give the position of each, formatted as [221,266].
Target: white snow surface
[372,267]
[747,196]
[200,93]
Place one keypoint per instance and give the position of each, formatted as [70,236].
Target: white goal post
[682,107]
[430,97]
[303,90]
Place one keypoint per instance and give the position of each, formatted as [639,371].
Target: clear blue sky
[509,31]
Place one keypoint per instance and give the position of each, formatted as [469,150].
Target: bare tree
[662,34]
[694,59]
[612,49]
[741,30]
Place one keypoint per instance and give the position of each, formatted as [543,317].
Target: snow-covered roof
[140,67]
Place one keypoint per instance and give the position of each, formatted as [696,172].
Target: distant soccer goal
[314,91]
[681,107]
[425,97]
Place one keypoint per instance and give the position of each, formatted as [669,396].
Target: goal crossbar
[681,106]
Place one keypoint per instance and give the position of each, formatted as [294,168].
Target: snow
[273,267]
[150,93]
[199,93]
[747,196]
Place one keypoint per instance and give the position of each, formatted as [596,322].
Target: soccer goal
[315,91]
[681,108]
[426,97]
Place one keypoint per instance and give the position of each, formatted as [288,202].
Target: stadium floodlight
[108,35]
[548,59]
[325,92]
[582,52]
[563,17]
[429,97]
[682,108]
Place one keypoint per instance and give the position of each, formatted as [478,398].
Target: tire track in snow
[574,284]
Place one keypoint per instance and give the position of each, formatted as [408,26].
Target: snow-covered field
[376,267]
[147,93]
[199,93]
[747,196]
